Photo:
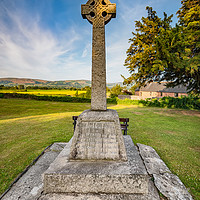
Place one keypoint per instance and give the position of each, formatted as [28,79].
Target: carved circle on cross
[99,12]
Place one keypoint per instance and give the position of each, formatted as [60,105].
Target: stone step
[152,195]
[107,177]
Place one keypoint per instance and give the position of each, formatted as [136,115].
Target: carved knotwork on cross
[98,12]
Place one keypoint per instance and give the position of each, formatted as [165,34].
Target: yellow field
[45,92]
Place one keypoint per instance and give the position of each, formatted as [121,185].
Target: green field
[28,126]
[54,92]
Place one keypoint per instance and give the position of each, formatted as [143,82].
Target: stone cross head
[98,12]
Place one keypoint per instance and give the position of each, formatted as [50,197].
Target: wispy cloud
[86,50]
[28,49]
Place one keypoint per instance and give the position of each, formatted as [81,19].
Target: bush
[189,102]
[112,100]
[1,95]
[127,101]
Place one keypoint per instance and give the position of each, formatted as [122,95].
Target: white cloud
[86,51]
[28,50]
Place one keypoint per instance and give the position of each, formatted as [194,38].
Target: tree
[186,7]
[88,93]
[85,88]
[133,88]
[116,90]
[142,58]
[159,52]
[183,48]
[76,93]
[189,18]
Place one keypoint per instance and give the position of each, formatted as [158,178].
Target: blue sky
[48,39]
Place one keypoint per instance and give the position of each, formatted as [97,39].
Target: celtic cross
[98,13]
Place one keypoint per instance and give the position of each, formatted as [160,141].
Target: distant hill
[43,83]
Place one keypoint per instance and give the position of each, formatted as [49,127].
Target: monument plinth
[98,136]
[98,177]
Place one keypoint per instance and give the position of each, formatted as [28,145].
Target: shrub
[1,95]
[127,101]
[189,102]
[112,100]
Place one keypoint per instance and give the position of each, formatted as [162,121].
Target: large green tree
[142,56]
[159,52]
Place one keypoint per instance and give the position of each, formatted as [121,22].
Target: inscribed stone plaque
[98,141]
[98,136]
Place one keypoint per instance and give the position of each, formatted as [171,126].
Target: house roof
[161,87]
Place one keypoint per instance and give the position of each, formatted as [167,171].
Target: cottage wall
[171,94]
[166,94]
[182,94]
[136,93]
[148,94]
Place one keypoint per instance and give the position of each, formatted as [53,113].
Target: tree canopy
[160,52]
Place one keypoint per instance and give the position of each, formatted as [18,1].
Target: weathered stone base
[107,177]
[151,195]
[30,185]
[98,136]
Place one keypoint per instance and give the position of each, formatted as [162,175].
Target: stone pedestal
[97,177]
[98,136]
[97,160]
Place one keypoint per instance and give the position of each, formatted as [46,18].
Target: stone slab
[167,183]
[152,195]
[152,160]
[171,187]
[30,185]
[130,177]
[98,136]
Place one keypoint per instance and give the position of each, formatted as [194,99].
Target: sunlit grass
[28,126]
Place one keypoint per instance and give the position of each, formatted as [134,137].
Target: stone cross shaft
[98,13]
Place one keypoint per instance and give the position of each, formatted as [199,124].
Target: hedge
[189,102]
[51,98]
[165,102]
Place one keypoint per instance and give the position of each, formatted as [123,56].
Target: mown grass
[27,127]
[175,134]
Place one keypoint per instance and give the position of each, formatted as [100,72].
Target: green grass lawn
[28,126]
